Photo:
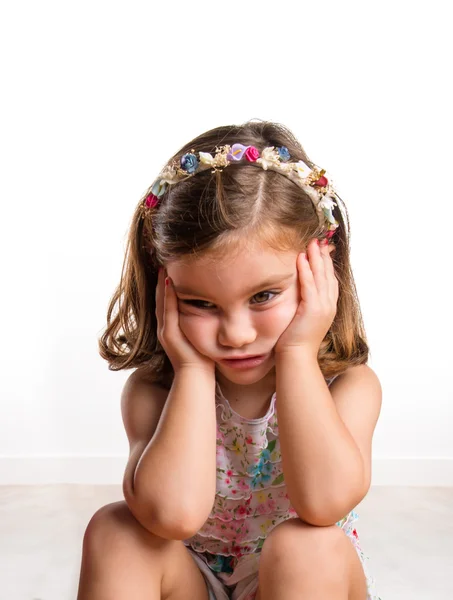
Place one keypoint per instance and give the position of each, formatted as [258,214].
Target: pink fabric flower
[242,485]
[322,181]
[251,154]
[261,509]
[272,505]
[151,201]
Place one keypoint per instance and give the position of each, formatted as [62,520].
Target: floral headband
[312,181]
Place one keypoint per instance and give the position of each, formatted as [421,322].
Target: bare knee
[121,559]
[297,544]
[114,527]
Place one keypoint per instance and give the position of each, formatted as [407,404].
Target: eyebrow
[269,282]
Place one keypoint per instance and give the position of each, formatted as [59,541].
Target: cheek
[196,329]
[283,314]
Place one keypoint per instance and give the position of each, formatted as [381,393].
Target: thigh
[122,559]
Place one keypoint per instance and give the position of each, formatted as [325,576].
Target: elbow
[174,529]
[161,525]
[322,518]
[158,520]
[176,525]
[330,512]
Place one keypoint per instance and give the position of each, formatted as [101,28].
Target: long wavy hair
[210,215]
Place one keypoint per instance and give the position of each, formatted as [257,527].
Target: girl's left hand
[318,306]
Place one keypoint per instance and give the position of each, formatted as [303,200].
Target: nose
[237,333]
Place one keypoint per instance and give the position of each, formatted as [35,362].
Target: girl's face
[237,306]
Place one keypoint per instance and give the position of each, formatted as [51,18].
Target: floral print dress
[251,499]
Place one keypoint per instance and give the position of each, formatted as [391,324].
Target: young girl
[251,411]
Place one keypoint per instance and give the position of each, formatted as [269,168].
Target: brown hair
[210,215]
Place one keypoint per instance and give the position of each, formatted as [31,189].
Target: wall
[97,96]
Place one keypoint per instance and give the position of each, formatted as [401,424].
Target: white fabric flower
[302,169]
[326,202]
[169,174]
[206,158]
[269,156]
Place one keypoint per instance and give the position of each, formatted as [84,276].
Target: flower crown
[312,181]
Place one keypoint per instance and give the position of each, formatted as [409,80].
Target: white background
[96,96]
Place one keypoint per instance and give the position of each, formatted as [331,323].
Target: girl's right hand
[176,345]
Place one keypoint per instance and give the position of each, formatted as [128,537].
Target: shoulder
[141,380]
[362,374]
[357,394]
[142,402]
[360,378]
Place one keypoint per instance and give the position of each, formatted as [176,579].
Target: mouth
[245,357]
[245,362]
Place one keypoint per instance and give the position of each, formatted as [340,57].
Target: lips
[242,363]
[244,357]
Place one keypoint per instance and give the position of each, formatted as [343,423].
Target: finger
[171,314]
[332,280]
[307,283]
[317,265]
[160,292]
[325,251]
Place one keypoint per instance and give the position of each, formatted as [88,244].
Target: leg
[301,561]
[121,560]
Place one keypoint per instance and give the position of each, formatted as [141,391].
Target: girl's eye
[197,303]
[202,303]
[266,293]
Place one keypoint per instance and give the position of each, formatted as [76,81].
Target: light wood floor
[407,533]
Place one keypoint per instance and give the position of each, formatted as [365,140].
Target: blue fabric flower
[266,468]
[189,163]
[265,455]
[254,469]
[259,480]
[255,482]
[263,466]
[284,153]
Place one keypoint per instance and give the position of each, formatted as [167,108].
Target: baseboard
[108,470]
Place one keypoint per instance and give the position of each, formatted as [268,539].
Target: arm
[172,487]
[325,435]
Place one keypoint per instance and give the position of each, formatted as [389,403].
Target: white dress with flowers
[251,499]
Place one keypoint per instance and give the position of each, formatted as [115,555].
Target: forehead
[239,269]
